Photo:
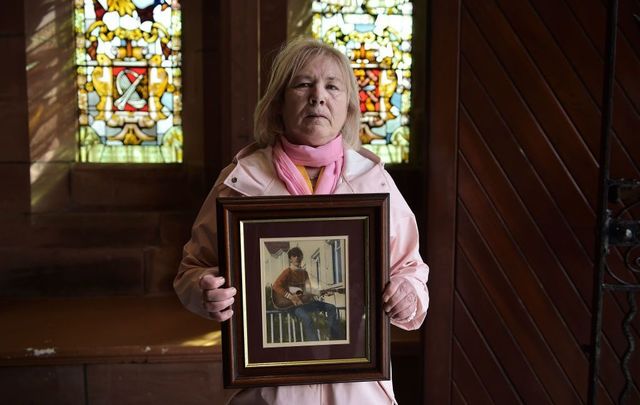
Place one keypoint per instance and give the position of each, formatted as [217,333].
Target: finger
[219,294]
[221,316]
[395,291]
[211,282]
[404,297]
[390,290]
[397,303]
[406,304]
[207,274]
[217,306]
[402,315]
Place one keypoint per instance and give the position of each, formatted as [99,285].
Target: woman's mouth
[316,116]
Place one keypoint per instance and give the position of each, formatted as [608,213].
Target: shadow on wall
[90,230]
[51,90]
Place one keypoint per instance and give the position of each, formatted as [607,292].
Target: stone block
[49,187]
[161,266]
[12,18]
[14,183]
[42,385]
[95,229]
[15,230]
[117,187]
[177,383]
[47,13]
[14,135]
[175,228]
[14,87]
[193,90]
[52,109]
[51,79]
[55,272]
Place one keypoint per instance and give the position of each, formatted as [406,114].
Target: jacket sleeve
[200,254]
[405,260]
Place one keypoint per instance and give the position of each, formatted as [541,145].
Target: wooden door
[515,96]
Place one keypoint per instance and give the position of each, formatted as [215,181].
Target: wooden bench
[117,350]
[108,350]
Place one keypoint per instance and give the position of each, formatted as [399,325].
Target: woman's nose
[316,101]
[317,95]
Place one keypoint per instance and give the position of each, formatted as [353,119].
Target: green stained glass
[376,36]
[128,59]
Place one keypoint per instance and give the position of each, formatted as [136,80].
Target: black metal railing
[617,229]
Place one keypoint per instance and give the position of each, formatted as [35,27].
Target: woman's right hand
[217,301]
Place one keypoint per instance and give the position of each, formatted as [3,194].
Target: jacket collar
[255,175]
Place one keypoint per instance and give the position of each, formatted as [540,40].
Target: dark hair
[296,251]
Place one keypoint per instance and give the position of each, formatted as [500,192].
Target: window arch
[128,59]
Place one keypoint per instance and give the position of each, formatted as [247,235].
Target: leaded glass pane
[376,36]
[128,59]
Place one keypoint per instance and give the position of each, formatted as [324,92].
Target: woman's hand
[217,301]
[399,299]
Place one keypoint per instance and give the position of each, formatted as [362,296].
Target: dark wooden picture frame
[250,226]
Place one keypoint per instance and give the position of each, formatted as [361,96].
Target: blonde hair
[293,56]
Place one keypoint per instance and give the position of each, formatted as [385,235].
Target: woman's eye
[303,84]
[333,87]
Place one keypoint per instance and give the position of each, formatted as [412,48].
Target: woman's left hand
[399,299]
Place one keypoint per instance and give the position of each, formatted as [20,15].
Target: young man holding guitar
[292,291]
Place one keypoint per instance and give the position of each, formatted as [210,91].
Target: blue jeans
[303,313]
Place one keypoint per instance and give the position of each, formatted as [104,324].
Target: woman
[306,131]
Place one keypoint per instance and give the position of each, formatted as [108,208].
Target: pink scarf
[329,156]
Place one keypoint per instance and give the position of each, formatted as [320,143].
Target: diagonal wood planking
[529,128]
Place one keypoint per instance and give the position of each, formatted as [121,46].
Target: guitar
[282,302]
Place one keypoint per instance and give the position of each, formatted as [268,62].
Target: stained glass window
[128,60]
[376,36]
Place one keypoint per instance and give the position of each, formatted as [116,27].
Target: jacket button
[234,179]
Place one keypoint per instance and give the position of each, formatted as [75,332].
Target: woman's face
[315,104]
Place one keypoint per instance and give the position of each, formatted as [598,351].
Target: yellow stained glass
[128,61]
[376,37]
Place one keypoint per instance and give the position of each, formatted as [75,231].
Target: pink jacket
[252,174]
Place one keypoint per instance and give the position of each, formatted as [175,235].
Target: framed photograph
[309,271]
